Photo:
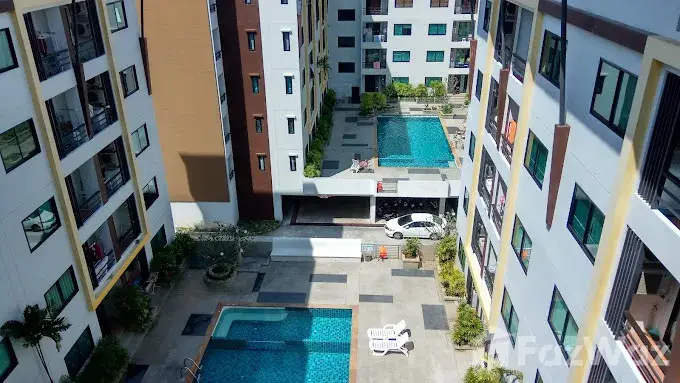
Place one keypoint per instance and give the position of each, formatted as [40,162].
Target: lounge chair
[383,346]
[355,166]
[389,331]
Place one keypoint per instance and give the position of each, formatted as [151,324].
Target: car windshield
[404,220]
[437,220]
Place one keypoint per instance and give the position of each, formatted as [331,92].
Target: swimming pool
[279,344]
[413,142]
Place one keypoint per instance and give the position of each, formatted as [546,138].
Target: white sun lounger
[389,331]
[381,347]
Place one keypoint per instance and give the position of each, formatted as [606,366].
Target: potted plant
[133,308]
[224,253]
[494,373]
[453,282]
[468,330]
[38,324]
[410,255]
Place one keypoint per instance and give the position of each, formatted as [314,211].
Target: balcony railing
[213,7]
[102,119]
[126,239]
[52,64]
[461,37]
[101,267]
[381,38]
[87,50]
[87,207]
[114,183]
[491,125]
[71,140]
[644,351]
[484,192]
[459,64]
[518,67]
[488,278]
[375,11]
[669,198]
[496,218]
[223,97]
[506,148]
[377,64]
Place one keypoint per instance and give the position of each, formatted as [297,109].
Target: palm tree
[38,323]
[324,65]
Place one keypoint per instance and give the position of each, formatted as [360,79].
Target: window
[400,80]
[461,254]
[8,360]
[403,3]
[471,148]
[439,3]
[585,222]
[128,78]
[255,82]
[261,162]
[521,243]
[346,15]
[284,1]
[346,42]
[293,163]
[491,262]
[550,58]
[435,56]
[18,145]
[150,192]
[258,124]
[8,58]
[613,96]
[291,125]
[347,67]
[61,292]
[41,223]
[430,80]
[401,56]
[509,316]
[117,18]
[436,30]
[159,240]
[562,324]
[289,84]
[487,16]
[230,166]
[535,159]
[478,85]
[251,41]
[79,352]
[466,200]
[402,29]
[286,41]
[140,140]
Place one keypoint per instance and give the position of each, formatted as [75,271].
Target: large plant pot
[213,278]
[410,263]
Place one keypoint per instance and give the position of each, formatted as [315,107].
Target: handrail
[369,11]
[101,120]
[645,352]
[114,183]
[71,140]
[369,64]
[88,206]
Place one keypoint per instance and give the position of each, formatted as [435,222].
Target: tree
[324,65]
[390,91]
[438,88]
[421,90]
[403,89]
[225,248]
[495,373]
[38,323]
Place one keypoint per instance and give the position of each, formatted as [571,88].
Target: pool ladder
[188,369]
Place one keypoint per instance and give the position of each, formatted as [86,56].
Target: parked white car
[421,225]
[42,220]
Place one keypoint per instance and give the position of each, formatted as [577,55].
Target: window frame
[544,55]
[64,301]
[261,162]
[12,52]
[400,55]
[123,81]
[258,124]
[403,3]
[437,31]
[400,79]
[525,235]
[286,40]
[292,163]
[345,40]
[439,3]
[291,125]
[156,243]
[342,69]
[471,147]
[609,122]
[428,80]
[487,16]
[527,155]
[508,321]
[466,200]
[155,183]
[479,83]
[112,5]
[57,224]
[402,27]
[288,80]
[588,224]
[255,84]
[146,135]
[250,37]
[567,317]
[76,347]
[14,362]
[430,59]
[346,12]
[24,159]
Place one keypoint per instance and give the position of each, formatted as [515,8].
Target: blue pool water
[412,142]
[279,345]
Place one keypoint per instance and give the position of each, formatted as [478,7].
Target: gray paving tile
[331,165]
[328,278]
[354,145]
[349,136]
[434,317]
[422,171]
[412,273]
[197,324]
[365,123]
[351,119]
[275,297]
[376,298]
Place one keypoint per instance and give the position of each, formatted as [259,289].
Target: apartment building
[376,42]
[82,181]
[569,230]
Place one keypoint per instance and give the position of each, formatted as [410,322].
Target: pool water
[279,345]
[413,142]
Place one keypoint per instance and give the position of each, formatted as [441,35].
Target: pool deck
[382,292]
[355,136]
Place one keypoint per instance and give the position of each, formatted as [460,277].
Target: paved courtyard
[380,289]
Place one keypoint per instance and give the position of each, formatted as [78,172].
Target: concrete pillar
[442,206]
[278,207]
[372,209]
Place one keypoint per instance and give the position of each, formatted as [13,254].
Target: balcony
[479,238]
[113,166]
[490,269]
[101,107]
[512,46]
[87,30]
[68,123]
[518,65]
[498,207]
[374,33]
[462,31]
[100,254]
[375,59]
[463,6]
[49,42]
[459,58]
[84,191]
[491,124]
[375,7]
[509,130]
[126,224]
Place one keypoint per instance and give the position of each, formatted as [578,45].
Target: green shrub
[133,308]
[438,88]
[259,226]
[107,364]
[331,98]
[184,246]
[390,91]
[164,262]
[379,101]
[453,280]
[495,373]
[366,105]
[420,90]
[468,329]
[467,99]
[404,89]
[447,108]
[412,248]
[446,249]
[311,171]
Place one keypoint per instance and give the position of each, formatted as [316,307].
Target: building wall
[342,83]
